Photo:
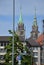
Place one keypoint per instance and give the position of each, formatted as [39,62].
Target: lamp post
[13,32]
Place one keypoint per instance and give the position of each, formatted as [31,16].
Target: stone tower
[20,28]
[34,32]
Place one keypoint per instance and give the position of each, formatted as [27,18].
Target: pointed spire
[35,19]
[35,13]
[20,18]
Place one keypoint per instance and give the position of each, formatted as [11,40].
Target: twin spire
[21,20]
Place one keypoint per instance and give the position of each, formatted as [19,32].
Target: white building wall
[37,56]
[2,52]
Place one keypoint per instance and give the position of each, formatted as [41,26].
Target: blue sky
[28,11]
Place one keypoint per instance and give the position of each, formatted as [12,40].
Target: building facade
[35,47]
[20,29]
[4,41]
[40,40]
[35,35]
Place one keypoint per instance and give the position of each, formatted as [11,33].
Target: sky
[28,12]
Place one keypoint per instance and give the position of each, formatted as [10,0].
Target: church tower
[20,29]
[34,32]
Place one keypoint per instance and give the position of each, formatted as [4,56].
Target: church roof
[32,42]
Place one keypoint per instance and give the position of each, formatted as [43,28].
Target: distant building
[40,40]
[35,32]
[4,41]
[20,29]
[35,48]
[34,36]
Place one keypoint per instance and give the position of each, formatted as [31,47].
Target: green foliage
[18,49]
[26,60]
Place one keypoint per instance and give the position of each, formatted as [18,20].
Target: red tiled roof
[40,39]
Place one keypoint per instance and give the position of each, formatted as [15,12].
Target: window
[1,57]
[35,48]
[1,44]
[35,54]
[4,44]
[43,60]
[35,60]
[2,50]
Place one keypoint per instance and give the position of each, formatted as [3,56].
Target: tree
[19,49]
